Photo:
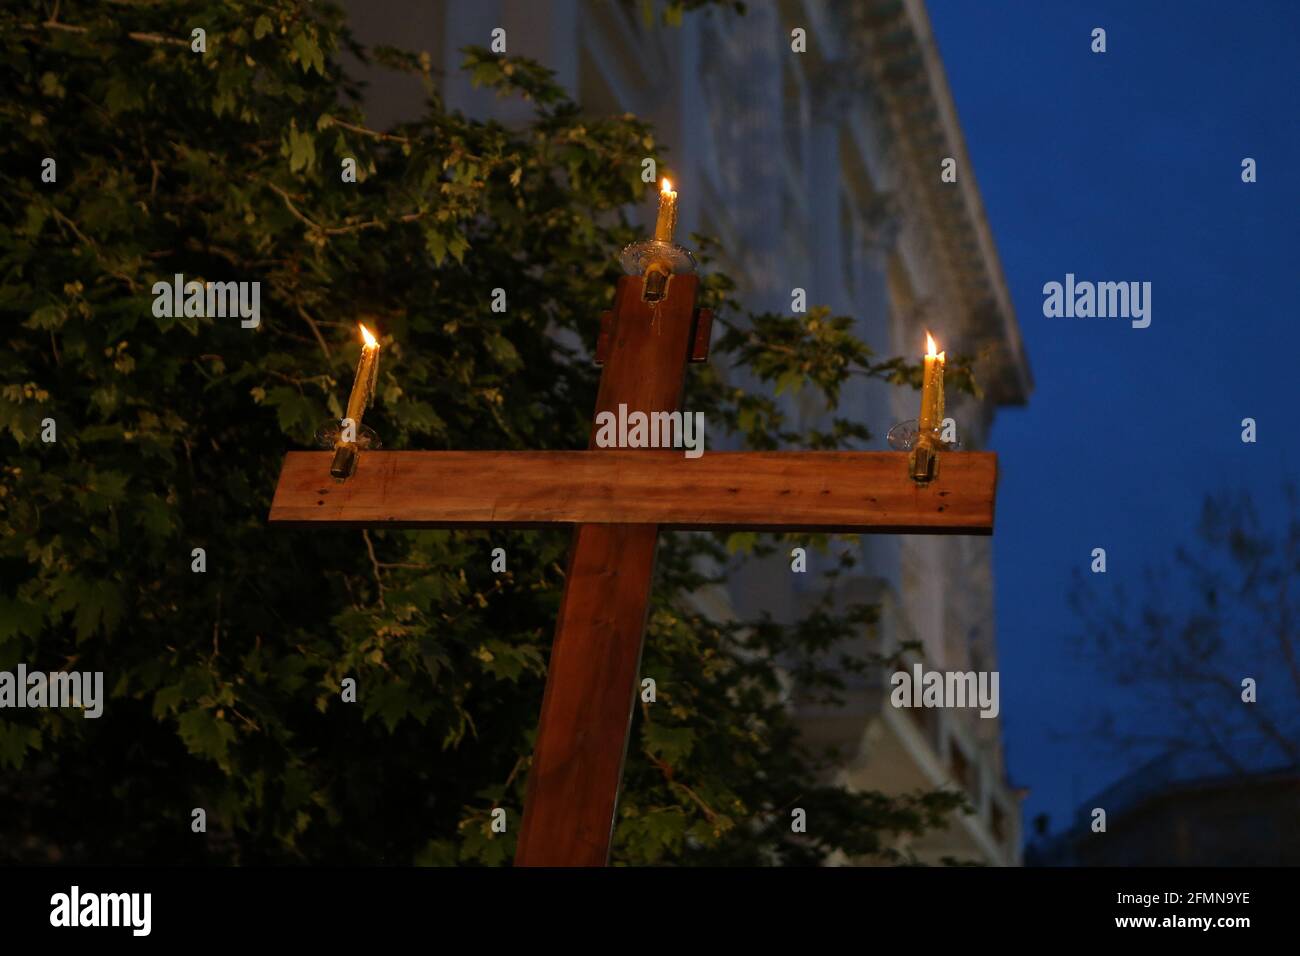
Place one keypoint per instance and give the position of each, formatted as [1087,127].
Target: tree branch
[315,330]
[375,134]
[94,248]
[365,533]
[709,813]
[155,38]
[338,230]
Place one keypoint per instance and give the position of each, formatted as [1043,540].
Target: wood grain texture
[591,685]
[596,657]
[773,491]
[701,336]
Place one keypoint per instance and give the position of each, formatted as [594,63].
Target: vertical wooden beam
[595,661]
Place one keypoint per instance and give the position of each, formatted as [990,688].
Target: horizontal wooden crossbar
[810,491]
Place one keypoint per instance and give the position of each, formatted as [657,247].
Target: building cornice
[913,94]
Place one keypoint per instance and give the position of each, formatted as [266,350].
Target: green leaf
[390,701]
[19,617]
[106,489]
[155,517]
[294,410]
[741,541]
[458,245]
[100,606]
[47,317]
[420,417]
[122,96]
[436,245]
[672,744]
[792,379]
[508,661]
[262,27]
[301,150]
[503,351]
[205,735]
[485,73]
[15,741]
[36,216]
[309,52]
[167,700]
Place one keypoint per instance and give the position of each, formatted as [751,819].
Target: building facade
[818,167]
[1187,809]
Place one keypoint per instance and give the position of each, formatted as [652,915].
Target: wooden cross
[618,501]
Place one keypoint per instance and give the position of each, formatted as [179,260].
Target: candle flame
[371,342]
[930,347]
[667,187]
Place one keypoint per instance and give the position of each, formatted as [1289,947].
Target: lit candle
[667,220]
[363,390]
[931,390]
[363,387]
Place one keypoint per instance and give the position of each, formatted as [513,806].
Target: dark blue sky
[1127,166]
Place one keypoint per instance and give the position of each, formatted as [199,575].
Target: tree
[1224,611]
[225,684]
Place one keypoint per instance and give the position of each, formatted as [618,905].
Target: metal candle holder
[656,260]
[344,464]
[923,463]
